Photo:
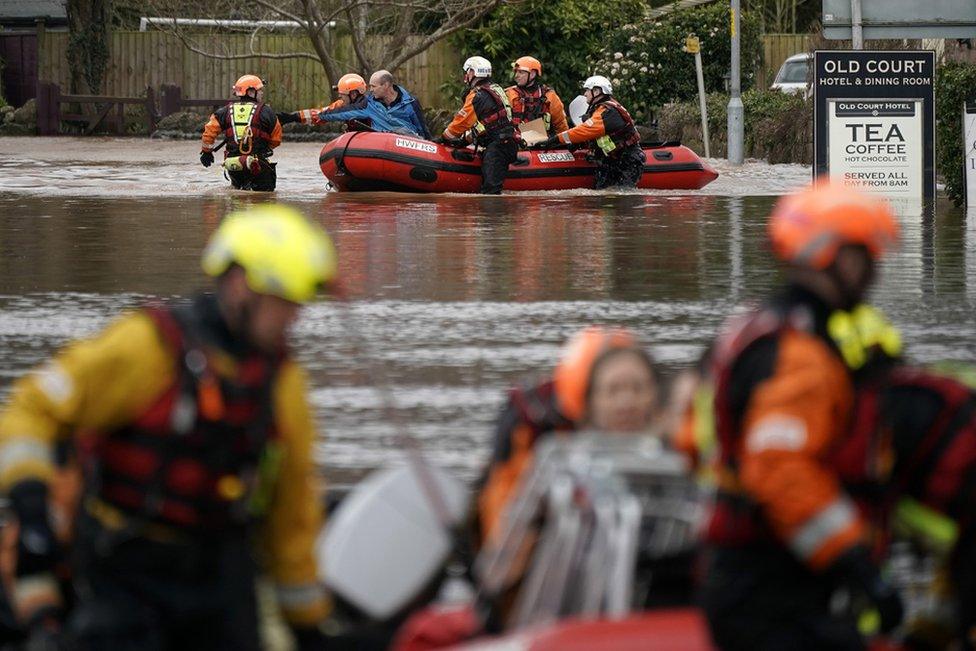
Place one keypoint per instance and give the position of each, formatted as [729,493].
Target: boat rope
[341,158]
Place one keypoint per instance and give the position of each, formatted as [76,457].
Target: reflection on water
[455,297]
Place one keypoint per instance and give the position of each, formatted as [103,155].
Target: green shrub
[565,35]
[777,126]
[955,83]
[649,69]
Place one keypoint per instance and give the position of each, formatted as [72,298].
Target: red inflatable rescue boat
[362,161]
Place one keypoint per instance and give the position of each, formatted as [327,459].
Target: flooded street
[452,297]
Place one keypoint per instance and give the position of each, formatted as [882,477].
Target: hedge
[955,83]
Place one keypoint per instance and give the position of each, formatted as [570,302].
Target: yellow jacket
[106,382]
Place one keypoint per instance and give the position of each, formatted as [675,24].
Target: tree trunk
[88,23]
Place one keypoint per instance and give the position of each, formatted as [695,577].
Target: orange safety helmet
[529,64]
[350,82]
[572,375]
[246,83]
[809,227]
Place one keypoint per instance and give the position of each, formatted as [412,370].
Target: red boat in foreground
[366,161]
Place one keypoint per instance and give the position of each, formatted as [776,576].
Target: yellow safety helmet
[281,252]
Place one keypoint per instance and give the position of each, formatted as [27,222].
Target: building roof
[32,9]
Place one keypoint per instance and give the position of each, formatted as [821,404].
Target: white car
[795,75]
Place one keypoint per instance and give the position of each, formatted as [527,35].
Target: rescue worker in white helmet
[531,99]
[486,118]
[251,130]
[616,142]
[202,447]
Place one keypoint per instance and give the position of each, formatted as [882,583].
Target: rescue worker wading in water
[251,130]
[531,99]
[352,92]
[784,535]
[616,142]
[199,440]
[486,118]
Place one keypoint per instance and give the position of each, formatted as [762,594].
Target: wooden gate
[19,54]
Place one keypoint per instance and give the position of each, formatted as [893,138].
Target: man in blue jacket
[389,107]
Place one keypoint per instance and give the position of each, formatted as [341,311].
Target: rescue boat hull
[369,162]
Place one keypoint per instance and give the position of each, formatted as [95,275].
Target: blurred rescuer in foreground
[784,534]
[604,381]
[202,446]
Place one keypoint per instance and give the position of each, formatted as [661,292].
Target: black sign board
[874,120]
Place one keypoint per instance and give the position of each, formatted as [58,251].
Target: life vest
[242,128]
[532,105]
[498,121]
[616,141]
[205,454]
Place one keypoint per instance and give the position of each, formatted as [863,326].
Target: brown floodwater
[452,297]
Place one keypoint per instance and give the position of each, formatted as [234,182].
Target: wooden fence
[141,59]
[151,59]
[777,48]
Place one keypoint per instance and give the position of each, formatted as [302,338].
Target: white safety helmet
[598,81]
[480,65]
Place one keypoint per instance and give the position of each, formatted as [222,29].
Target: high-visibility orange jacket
[783,399]
[538,102]
[486,111]
[102,385]
[529,414]
[608,124]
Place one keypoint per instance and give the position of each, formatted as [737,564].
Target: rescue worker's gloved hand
[855,568]
[206,158]
[37,546]
[549,142]
[287,118]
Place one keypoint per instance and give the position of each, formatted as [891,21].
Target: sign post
[736,122]
[969,143]
[693,46]
[874,120]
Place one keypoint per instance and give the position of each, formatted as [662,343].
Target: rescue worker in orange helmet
[604,380]
[784,534]
[610,129]
[352,92]
[531,99]
[485,118]
[204,447]
[251,130]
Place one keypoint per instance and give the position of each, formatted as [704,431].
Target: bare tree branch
[193,47]
[442,32]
